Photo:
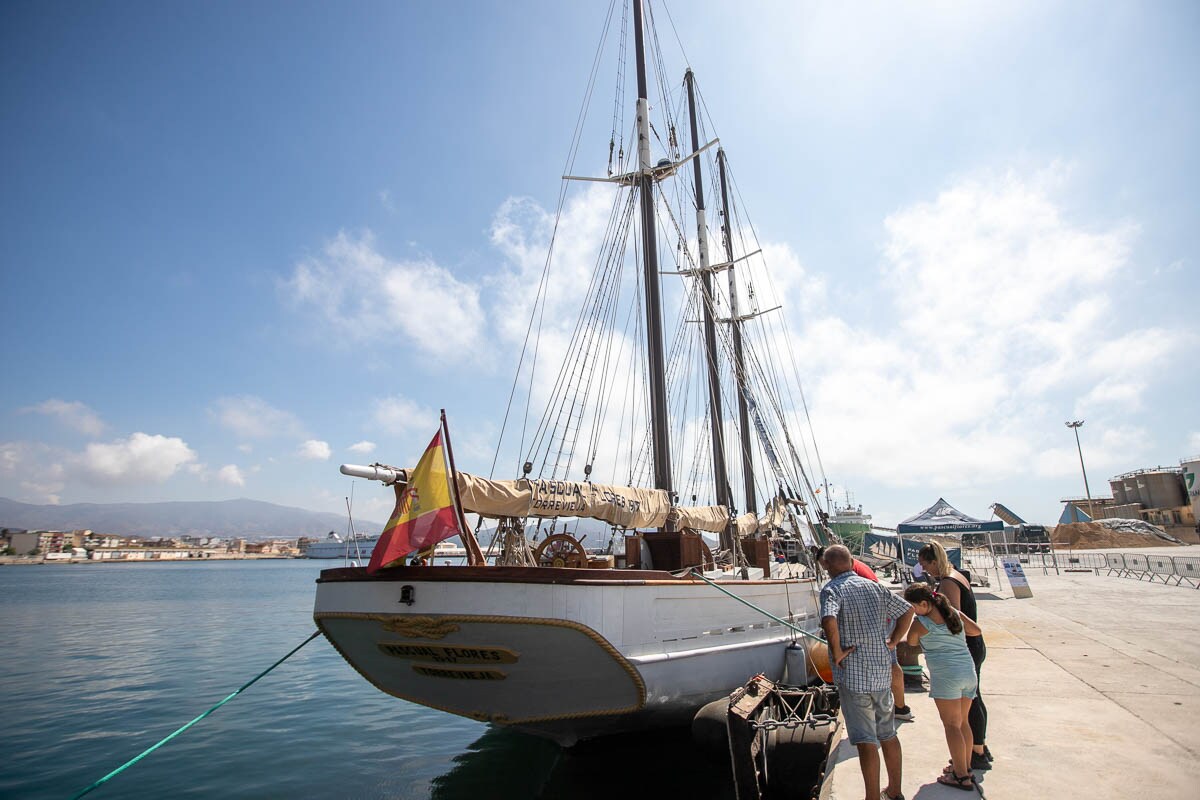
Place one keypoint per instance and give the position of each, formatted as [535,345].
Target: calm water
[101,661]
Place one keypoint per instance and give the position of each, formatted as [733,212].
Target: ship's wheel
[561,550]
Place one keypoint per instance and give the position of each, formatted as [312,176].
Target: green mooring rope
[244,686]
[756,608]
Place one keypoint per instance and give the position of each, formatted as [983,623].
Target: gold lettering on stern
[459,673]
[419,627]
[446,654]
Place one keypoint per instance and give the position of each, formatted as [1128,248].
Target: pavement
[1092,688]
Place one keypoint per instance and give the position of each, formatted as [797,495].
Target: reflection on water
[499,764]
[101,661]
[507,764]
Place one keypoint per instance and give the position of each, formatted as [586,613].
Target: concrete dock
[1092,688]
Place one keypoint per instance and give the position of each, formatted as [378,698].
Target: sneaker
[987,753]
[904,713]
[885,796]
[980,761]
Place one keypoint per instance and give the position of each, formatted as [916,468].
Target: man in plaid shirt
[854,616]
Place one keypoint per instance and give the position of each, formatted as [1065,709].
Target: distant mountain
[247,519]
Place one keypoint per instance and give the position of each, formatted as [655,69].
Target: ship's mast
[654,334]
[716,417]
[739,363]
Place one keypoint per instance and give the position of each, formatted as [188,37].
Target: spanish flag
[425,510]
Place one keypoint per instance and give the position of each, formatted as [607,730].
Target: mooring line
[244,686]
[762,611]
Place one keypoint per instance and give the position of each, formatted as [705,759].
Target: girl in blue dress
[939,628]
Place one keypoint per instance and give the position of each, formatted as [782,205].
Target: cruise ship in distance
[334,546]
[359,548]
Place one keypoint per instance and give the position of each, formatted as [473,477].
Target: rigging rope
[161,742]
[537,313]
[762,611]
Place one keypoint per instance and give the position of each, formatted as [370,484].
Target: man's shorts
[870,716]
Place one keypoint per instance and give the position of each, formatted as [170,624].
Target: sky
[246,242]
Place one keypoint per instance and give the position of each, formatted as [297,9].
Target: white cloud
[1001,306]
[74,415]
[997,318]
[141,458]
[315,450]
[363,448]
[364,296]
[231,475]
[521,232]
[399,415]
[43,493]
[253,418]
[37,469]
[10,457]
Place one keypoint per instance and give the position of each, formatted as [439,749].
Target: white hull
[566,654]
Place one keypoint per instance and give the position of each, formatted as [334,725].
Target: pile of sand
[1106,533]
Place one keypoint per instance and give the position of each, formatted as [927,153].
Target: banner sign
[1016,577]
[885,545]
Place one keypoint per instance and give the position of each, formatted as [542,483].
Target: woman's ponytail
[921,593]
[948,612]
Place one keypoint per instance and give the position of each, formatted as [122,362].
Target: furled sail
[623,506]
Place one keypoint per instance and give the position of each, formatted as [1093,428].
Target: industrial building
[1168,497]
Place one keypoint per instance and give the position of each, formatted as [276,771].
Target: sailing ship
[687,600]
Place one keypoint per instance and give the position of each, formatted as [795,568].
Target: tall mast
[716,416]
[739,363]
[654,334]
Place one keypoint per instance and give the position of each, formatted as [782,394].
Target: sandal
[965,782]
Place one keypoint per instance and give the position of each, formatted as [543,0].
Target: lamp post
[1075,425]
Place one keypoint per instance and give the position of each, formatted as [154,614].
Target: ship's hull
[562,653]
[360,548]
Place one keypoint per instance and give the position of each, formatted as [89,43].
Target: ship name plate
[458,673]
[449,654]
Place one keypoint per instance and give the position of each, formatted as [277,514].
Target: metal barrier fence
[1187,568]
[1171,570]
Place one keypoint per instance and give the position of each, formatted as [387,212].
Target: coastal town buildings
[84,544]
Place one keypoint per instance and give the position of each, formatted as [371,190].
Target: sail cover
[943,518]
[623,506]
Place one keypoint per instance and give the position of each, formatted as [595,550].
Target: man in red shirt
[862,569]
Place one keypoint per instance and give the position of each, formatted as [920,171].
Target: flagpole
[474,554]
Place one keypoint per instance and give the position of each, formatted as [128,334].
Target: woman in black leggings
[957,589]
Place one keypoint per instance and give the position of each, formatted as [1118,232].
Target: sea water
[100,661]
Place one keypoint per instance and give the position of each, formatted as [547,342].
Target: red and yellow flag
[425,513]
